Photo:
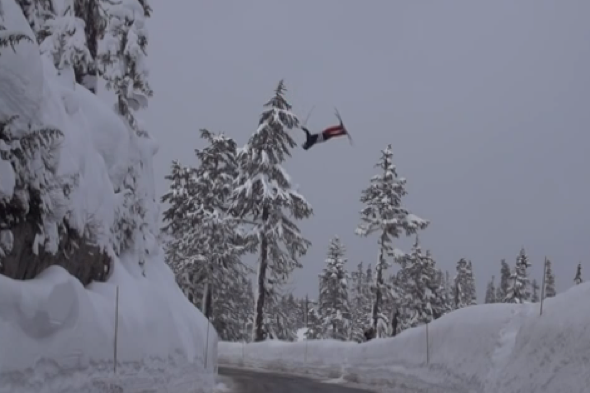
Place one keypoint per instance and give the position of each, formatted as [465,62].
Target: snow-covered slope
[55,334]
[496,348]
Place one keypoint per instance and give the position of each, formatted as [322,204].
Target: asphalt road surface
[246,381]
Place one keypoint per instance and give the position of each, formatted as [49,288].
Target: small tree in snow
[549,280]
[420,288]
[264,195]
[360,304]
[535,292]
[578,279]
[491,292]
[504,286]
[334,307]
[449,291]
[463,285]
[472,290]
[519,282]
[384,215]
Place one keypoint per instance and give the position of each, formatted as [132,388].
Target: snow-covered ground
[55,334]
[496,348]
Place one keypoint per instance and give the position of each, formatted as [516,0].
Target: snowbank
[497,348]
[55,334]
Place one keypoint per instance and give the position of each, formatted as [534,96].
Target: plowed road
[245,381]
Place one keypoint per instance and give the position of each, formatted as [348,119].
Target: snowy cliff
[76,189]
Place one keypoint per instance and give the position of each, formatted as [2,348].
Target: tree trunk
[378,294]
[258,333]
[207,301]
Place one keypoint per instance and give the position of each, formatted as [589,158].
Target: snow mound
[61,336]
[499,348]
[55,334]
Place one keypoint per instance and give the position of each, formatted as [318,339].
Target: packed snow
[56,334]
[491,348]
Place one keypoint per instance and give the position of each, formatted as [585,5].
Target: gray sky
[487,105]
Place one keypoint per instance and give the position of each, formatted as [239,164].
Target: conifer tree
[549,280]
[463,285]
[265,197]
[472,290]
[519,291]
[449,291]
[37,12]
[505,274]
[93,13]
[38,194]
[491,292]
[205,244]
[440,306]
[334,308]
[122,60]
[578,279]
[360,303]
[211,236]
[181,180]
[535,291]
[385,216]
[420,288]
[65,43]
[314,322]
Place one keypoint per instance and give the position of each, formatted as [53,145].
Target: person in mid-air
[328,133]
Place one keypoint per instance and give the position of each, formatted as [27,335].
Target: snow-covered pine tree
[441,305]
[314,321]
[265,197]
[182,184]
[212,235]
[33,200]
[549,280]
[280,323]
[519,291]
[37,13]
[449,291]
[578,279]
[420,288]
[491,291]
[64,41]
[122,58]
[10,40]
[334,306]
[241,316]
[92,12]
[359,304]
[205,245]
[463,287]
[505,274]
[535,291]
[384,215]
[472,290]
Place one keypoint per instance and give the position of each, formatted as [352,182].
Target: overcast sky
[486,104]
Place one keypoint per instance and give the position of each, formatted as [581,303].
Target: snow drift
[495,348]
[55,334]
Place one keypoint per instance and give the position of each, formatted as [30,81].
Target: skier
[328,133]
